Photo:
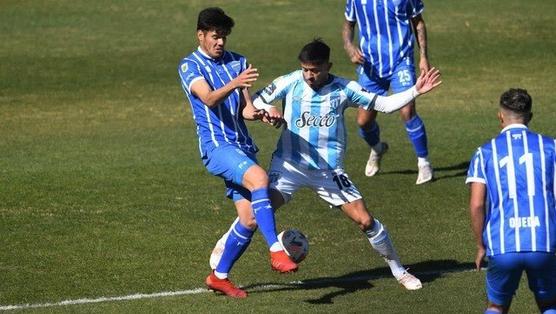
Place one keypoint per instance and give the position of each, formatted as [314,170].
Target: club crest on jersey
[309,120]
[184,67]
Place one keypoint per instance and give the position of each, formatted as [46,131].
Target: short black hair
[315,52]
[214,19]
[517,100]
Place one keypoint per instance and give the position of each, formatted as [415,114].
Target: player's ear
[500,116]
[529,117]
[200,34]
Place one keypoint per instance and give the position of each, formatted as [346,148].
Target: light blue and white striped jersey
[223,123]
[518,169]
[385,35]
[315,134]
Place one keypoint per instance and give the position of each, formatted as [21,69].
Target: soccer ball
[295,244]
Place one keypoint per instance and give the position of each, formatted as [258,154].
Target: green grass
[102,192]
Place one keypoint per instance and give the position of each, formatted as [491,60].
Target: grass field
[102,192]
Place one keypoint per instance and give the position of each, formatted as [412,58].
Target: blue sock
[264,214]
[236,244]
[372,136]
[417,135]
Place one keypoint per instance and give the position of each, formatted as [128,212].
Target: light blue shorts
[230,163]
[402,78]
[504,273]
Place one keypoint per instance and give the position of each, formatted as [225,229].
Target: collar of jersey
[207,56]
[514,126]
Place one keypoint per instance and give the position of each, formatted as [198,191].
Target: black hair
[516,100]
[214,19]
[315,52]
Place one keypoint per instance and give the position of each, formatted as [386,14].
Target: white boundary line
[262,287]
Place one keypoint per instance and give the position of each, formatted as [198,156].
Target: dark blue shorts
[504,273]
[402,78]
[230,163]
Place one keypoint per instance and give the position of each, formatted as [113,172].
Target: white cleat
[425,175]
[373,164]
[409,281]
[217,252]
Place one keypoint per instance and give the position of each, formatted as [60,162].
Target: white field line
[261,287]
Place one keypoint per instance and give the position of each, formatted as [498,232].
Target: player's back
[519,169]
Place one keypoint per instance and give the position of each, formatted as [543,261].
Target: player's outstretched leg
[417,134]
[380,241]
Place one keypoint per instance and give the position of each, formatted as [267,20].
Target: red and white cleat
[281,262]
[225,286]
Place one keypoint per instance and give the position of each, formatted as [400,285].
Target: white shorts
[333,186]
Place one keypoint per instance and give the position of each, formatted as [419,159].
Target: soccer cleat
[373,164]
[425,175]
[217,252]
[281,262]
[409,281]
[225,286]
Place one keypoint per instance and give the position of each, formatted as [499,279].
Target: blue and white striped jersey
[518,169]
[315,134]
[385,35]
[223,123]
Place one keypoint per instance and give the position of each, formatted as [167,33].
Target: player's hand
[427,81]
[246,78]
[479,257]
[355,55]
[273,117]
[258,114]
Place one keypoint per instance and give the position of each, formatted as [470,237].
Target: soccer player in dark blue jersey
[216,83]
[512,206]
[384,61]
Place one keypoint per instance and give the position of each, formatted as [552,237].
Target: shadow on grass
[462,167]
[427,271]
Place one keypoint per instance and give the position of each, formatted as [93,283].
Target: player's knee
[365,121]
[255,178]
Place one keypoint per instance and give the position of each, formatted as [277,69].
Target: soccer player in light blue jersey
[512,206]
[385,61]
[310,152]
[215,81]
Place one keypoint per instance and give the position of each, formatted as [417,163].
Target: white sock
[276,247]
[380,241]
[423,161]
[220,275]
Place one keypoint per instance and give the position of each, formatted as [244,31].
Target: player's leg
[379,238]
[337,189]
[402,79]
[240,168]
[541,275]
[369,129]
[502,279]
[236,241]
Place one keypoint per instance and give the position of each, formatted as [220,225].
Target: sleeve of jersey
[476,172]
[189,72]
[386,104]
[264,98]
[349,12]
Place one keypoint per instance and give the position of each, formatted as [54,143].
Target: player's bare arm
[248,111]
[477,213]
[352,50]
[213,98]
[420,30]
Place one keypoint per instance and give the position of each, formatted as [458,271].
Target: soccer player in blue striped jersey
[384,61]
[310,151]
[512,206]
[216,83]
